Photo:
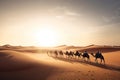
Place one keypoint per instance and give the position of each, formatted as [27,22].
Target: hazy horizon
[59,22]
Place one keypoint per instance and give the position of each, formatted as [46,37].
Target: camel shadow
[104,66]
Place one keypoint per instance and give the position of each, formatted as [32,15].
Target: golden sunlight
[46,37]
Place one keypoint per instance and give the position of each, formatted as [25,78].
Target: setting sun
[46,37]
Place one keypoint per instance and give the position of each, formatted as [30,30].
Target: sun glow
[46,37]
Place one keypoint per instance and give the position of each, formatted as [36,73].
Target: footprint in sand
[91,75]
[108,76]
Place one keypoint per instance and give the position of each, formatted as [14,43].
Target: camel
[66,53]
[61,53]
[97,56]
[69,54]
[85,55]
[56,53]
[77,54]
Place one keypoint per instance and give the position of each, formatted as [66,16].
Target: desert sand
[20,65]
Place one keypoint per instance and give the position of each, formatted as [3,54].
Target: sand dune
[90,48]
[12,61]
[19,66]
[16,65]
[113,58]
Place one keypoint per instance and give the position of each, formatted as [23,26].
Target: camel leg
[101,61]
[79,57]
[83,58]
[89,59]
[104,61]
[96,60]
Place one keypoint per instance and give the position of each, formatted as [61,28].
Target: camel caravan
[85,56]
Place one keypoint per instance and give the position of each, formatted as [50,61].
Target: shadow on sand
[104,66]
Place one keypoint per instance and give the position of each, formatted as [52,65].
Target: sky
[59,22]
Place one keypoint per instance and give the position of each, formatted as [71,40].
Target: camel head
[92,54]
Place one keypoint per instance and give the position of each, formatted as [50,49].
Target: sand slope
[113,58]
[26,66]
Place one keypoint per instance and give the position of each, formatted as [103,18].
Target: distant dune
[90,48]
[65,47]
[103,49]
